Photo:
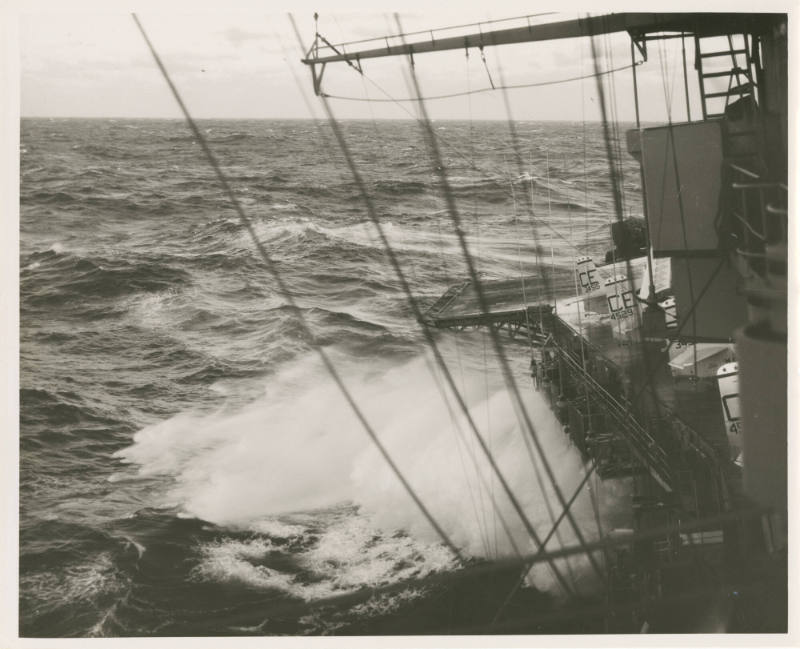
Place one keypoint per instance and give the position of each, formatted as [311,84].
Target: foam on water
[345,555]
[83,581]
[301,448]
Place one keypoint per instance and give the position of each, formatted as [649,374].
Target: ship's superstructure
[668,366]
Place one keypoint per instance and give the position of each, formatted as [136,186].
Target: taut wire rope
[676,172]
[288,296]
[520,167]
[476,91]
[436,376]
[505,367]
[444,140]
[370,208]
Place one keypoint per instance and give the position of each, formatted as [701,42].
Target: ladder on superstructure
[739,75]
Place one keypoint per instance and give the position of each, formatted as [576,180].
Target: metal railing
[758,215]
[647,450]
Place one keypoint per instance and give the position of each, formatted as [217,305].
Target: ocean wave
[341,555]
[95,172]
[64,594]
[79,581]
[114,205]
[230,137]
[188,137]
[284,206]
[107,151]
[56,197]
[38,405]
[334,323]
[570,205]
[70,276]
[402,187]
[308,450]
[51,543]
[154,346]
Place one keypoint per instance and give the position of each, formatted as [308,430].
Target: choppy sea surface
[187,467]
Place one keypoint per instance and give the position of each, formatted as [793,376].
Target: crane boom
[634,23]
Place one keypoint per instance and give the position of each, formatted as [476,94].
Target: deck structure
[612,389]
[715,197]
[508,304]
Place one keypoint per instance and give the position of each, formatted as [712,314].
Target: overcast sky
[244,63]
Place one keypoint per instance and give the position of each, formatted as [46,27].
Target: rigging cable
[529,564]
[451,382]
[519,259]
[521,171]
[461,439]
[458,152]
[543,274]
[612,167]
[287,295]
[506,369]
[477,91]
[681,211]
[372,213]
[651,294]
[618,139]
[595,505]
[486,67]
[689,314]
[585,174]
[540,482]
[685,78]
[619,216]
[458,434]
[543,279]
[484,357]
[472,166]
[389,98]
[480,511]
[435,376]
[592,497]
[324,135]
[685,320]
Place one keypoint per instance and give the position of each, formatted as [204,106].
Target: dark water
[187,468]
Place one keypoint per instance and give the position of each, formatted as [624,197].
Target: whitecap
[301,448]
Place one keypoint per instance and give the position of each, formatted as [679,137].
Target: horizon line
[324,119]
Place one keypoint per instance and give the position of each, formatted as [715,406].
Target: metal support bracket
[353,62]
[317,78]
[641,44]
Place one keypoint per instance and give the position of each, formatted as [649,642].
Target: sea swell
[71,277]
[187,464]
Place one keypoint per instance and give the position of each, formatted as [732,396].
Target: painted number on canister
[620,297]
[587,274]
[728,380]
